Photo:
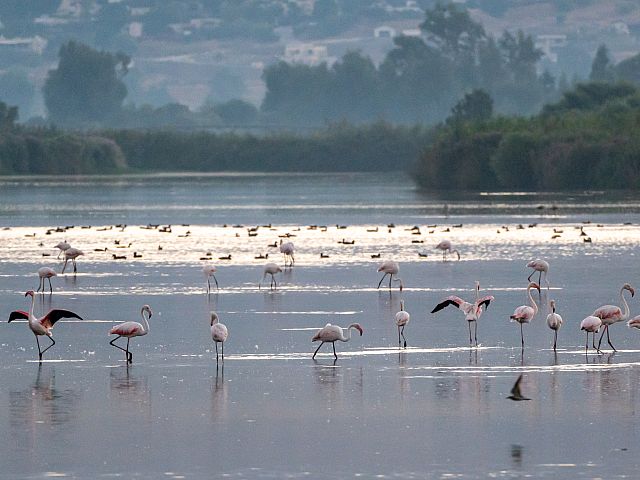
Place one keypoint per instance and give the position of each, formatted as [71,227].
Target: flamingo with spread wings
[41,326]
[472,311]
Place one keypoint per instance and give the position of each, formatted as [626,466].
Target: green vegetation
[587,140]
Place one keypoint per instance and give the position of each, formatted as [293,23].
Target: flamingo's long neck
[32,317]
[533,302]
[626,305]
[347,337]
[145,322]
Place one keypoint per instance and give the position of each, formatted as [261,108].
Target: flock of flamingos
[602,318]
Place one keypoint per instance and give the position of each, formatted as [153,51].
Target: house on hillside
[548,43]
[384,31]
[308,54]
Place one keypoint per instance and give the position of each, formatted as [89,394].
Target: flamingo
[63,247]
[610,314]
[270,269]
[525,313]
[591,324]
[287,250]
[391,268]
[219,333]
[540,266]
[402,318]
[41,326]
[445,246]
[333,333]
[45,272]
[554,321]
[472,311]
[71,254]
[209,271]
[131,329]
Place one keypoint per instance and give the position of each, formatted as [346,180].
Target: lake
[437,409]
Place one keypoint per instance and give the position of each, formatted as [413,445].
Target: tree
[236,112]
[18,90]
[602,68]
[86,89]
[8,117]
[476,105]
[629,69]
[451,29]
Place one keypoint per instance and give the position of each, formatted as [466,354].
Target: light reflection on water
[436,409]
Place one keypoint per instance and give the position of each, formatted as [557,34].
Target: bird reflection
[327,378]
[42,402]
[219,395]
[516,455]
[132,389]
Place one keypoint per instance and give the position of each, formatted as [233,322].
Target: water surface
[435,410]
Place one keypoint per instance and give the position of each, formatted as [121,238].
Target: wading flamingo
[610,314]
[402,318]
[63,247]
[45,273]
[472,311]
[554,321]
[209,271]
[71,254]
[287,250]
[219,333]
[332,333]
[132,329]
[445,246]
[525,313]
[391,268]
[541,267]
[42,326]
[591,324]
[270,269]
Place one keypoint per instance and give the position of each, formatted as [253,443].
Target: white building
[308,54]
[384,31]
[548,43]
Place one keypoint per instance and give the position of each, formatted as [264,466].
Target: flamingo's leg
[380,282]
[335,355]
[118,346]
[53,342]
[314,353]
[403,337]
[609,341]
[606,327]
[216,280]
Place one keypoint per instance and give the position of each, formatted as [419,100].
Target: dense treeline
[340,147]
[50,151]
[419,79]
[587,140]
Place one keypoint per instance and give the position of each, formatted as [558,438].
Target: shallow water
[435,410]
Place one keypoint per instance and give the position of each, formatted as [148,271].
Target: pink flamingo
[209,271]
[332,333]
[131,329]
[591,324]
[270,269]
[525,313]
[219,333]
[45,272]
[41,326]
[287,250]
[63,247]
[445,246]
[402,318]
[610,314]
[554,322]
[472,311]
[71,254]
[541,267]
[391,268]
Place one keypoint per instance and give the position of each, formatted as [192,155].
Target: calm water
[435,410]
